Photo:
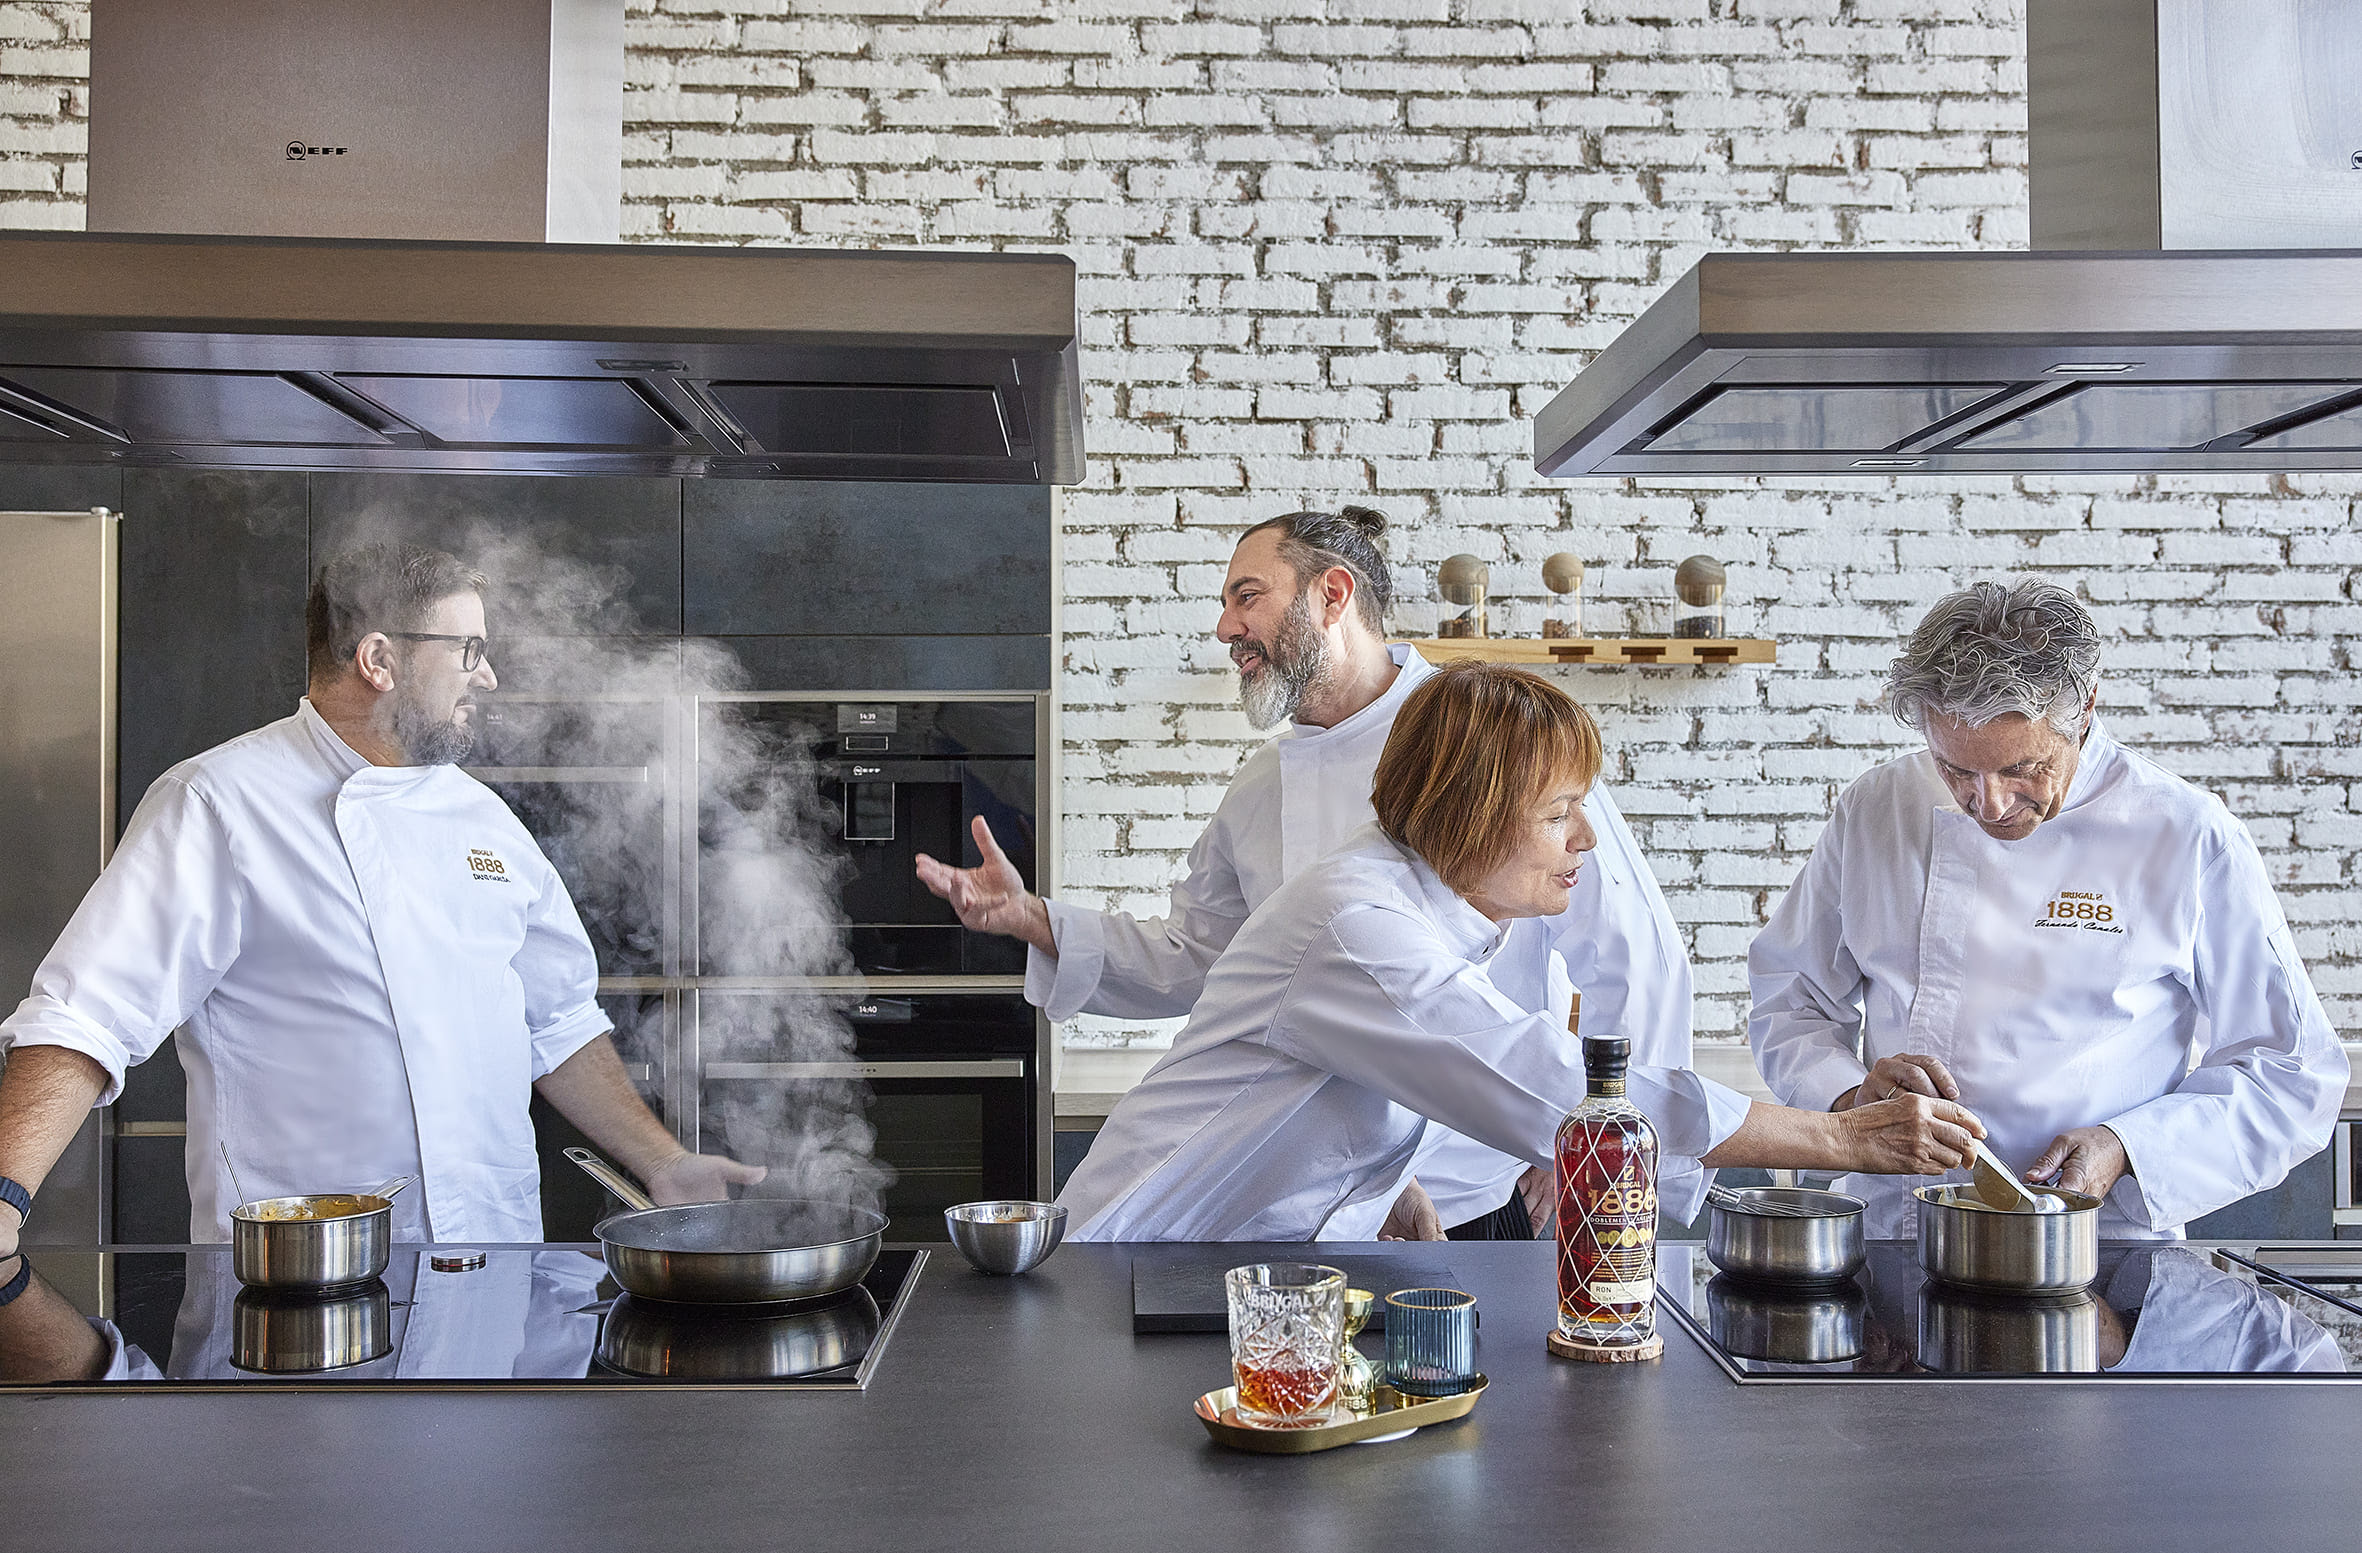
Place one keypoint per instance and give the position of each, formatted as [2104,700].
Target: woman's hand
[1909,1135]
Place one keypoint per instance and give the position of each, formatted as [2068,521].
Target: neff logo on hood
[301,151]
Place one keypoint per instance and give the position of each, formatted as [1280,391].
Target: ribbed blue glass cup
[1430,1342]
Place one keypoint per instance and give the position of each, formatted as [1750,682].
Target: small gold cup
[1357,1379]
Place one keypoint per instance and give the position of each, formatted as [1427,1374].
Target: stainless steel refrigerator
[57,788]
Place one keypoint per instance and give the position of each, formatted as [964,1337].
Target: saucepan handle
[609,1177]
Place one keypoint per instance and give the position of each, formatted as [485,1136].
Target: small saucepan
[1794,1236]
[318,1240]
[1964,1243]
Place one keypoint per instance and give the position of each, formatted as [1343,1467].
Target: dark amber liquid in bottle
[1607,1218]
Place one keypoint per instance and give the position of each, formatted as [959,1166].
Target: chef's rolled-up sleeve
[148,944]
[1805,1026]
[1123,968]
[2264,1090]
[1377,1001]
[560,974]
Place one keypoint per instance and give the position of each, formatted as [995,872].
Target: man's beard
[1295,661]
[427,740]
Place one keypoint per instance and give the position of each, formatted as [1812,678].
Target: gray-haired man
[2031,919]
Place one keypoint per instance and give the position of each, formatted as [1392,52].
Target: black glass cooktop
[527,1316]
[2160,1310]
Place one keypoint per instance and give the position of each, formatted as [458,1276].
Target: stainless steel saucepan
[1964,1243]
[1789,1235]
[319,1240]
[754,1251]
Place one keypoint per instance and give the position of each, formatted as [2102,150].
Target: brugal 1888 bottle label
[1607,1209]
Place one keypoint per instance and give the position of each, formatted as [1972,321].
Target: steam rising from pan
[582,685]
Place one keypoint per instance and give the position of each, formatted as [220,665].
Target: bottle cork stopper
[1563,572]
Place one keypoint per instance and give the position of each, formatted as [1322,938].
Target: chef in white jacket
[371,965]
[1412,978]
[2026,916]
[1303,613]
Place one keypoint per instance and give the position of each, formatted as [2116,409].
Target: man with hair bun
[1304,617]
[2069,940]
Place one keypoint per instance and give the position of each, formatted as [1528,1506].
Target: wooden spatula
[1997,1186]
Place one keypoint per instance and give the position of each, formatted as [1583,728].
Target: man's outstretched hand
[991,897]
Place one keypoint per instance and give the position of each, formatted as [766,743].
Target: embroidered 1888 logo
[2088,910]
[486,866]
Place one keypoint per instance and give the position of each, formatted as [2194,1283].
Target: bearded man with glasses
[369,962]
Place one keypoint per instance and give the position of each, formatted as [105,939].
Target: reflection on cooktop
[2159,1310]
[527,1316]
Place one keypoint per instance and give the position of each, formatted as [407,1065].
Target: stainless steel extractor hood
[290,353]
[2182,310]
[288,267]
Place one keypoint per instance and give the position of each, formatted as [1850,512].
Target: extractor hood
[317,242]
[292,353]
[2193,302]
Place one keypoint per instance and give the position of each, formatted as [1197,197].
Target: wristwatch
[16,1197]
[16,1285]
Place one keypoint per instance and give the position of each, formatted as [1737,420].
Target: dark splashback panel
[850,559]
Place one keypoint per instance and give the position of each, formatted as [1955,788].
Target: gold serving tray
[1396,1415]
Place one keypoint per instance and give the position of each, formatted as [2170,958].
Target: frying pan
[754,1251]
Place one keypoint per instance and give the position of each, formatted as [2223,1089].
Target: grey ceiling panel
[2154,417]
[520,358]
[2038,362]
[879,419]
[201,408]
[2341,430]
[543,411]
[1860,420]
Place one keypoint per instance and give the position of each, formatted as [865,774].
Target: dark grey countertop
[1024,1414]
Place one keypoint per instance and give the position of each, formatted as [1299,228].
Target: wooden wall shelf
[1609,651]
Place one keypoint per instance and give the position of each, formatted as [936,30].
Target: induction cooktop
[505,1317]
[2160,1310]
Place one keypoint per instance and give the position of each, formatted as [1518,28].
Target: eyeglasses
[472,649]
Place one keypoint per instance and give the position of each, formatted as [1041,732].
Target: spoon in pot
[1997,1186]
[243,1199]
[387,1190]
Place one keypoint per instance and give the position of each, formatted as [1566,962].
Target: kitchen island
[1024,1413]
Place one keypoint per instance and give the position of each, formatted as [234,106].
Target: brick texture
[1344,249]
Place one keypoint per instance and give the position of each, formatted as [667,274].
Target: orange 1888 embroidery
[486,866]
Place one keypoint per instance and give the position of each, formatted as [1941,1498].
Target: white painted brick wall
[1345,248]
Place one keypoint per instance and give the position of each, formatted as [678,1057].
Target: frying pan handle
[609,1177]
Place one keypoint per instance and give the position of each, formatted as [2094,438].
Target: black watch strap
[16,1286]
[16,1197]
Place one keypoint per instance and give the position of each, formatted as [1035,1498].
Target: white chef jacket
[2126,963]
[1293,801]
[370,965]
[1363,999]
[2197,1319]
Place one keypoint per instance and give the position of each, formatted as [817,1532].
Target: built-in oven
[897,777]
[944,1082]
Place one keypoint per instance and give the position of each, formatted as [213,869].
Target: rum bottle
[1607,1209]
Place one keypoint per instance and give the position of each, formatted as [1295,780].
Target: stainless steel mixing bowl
[1006,1237]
